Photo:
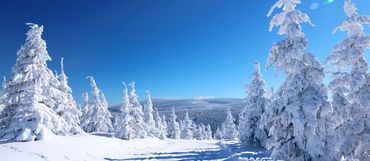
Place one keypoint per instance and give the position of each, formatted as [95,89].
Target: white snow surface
[103,148]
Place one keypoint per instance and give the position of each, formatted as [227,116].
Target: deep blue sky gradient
[175,48]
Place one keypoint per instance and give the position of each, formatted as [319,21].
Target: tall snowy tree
[85,109]
[122,124]
[159,125]
[203,132]
[85,106]
[351,87]
[197,132]
[164,130]
[186,131]
[4,83]
[99,118]
[31,105]
[173,126]
[139,127]
[148,115]
[228,127]
[298,113]
[256,102]
[2,95]
[67,107]
[208,135]
[218,134]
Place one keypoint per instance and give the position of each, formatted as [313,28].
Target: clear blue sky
[175,48]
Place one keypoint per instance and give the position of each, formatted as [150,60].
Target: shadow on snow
[228,151]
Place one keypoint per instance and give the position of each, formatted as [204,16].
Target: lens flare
[331,1]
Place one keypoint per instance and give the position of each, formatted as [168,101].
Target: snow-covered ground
[100,148]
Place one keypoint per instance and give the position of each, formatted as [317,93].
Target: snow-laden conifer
[31,98]
[228,127]
[164,129]
[173,126]
[122,123]
[159,125]
[197,132]
[218,134]
[85,109]
[99,118]
[208,135]
[203,131]
[2,95]
[298,113]
[85,105]
[256,102]
[148,116]
[351,87]
[139,127]
[186,131]
[67,107]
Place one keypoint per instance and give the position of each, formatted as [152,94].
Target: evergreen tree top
[354,23]
[289,19]
[32,53]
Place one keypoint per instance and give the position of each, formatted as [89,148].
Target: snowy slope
[99,148]
[207,111]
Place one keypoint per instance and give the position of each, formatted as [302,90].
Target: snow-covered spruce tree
[299,111]
[351,87]
[159,125]
[84,108]
[208,135]
[186,131]
[218,134]
[148,116]
[256,102]
[164,129]
[197,132]
[30,105]
[203,131]
[173,126]
[139,128]
[67,107]
[98,116]
[122,124]
[228,128]
[2,95]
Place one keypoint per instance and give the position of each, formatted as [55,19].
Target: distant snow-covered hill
[207,111]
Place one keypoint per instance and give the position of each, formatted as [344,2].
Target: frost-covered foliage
[139,127]
[32,104]
[164,128]
[298,113]
[208,133]
[218,134]
[351,87]
[199,132]
[186,130]
[148,116]
[97,118]
[161,129]
[2,95]
[173,126]
[202,132]
[250,131]
[66,105]
[84,108]
[122,122]
[228,128]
